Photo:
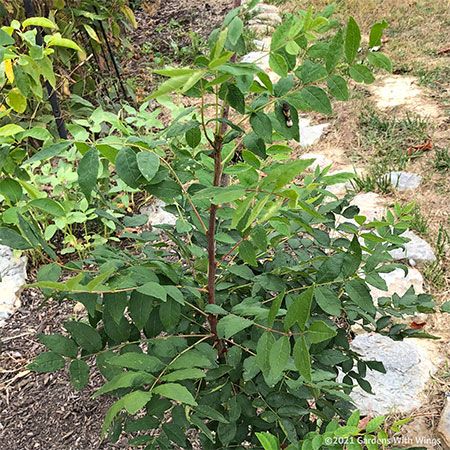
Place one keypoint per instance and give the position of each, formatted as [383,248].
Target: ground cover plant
[237,320]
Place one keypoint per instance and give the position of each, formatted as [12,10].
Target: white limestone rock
[270,18]
[261,59]
[261,29]
[371,205]
[13,277]
[404,181]
[310,134]
[416,249]
[409,366]
[157,215]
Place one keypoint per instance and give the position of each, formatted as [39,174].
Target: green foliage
[231,321]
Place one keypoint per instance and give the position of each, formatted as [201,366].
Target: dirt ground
[43,412]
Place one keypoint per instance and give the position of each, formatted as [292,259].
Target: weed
[419,223]
[442,160]
[435,275]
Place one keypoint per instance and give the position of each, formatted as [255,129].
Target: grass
[384,143]
[441,160]
[419,222]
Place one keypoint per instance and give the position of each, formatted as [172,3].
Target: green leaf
[445,307]
[319,331]
[235,29]
[153,289]
[309,72]
[375,424]
[352,40]
[300,309]
[58,41]
[49,206]
[192,358]
[380,60]
[177,392]
[376,33]
[302,358]
[148,164]
[230,325]
[140,306]
[84,335]
[235,98]
[361,74]
[59,344]
[278,64]
[127,167]
[137,361]
[278,359]
[262,125]
[10,130]
[13,239]
[79,373]
[315,99]
[328,301]
[338,87]
[274,308]
[247,253]
[210,413]
[184,374]
[359,293]
[16,101]
[49,151]
[219,195]
[134,401]
[88,172]
[39,22]
[47,362]
[268,441]
[280,175]
[92,33]
[171,85]
[193,137]
[11,189]
[170,314]
[125,380]
[115,304]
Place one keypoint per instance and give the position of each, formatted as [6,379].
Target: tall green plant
[237,320]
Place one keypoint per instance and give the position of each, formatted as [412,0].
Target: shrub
[237,320]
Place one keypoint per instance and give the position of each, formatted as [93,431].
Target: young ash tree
[237,320]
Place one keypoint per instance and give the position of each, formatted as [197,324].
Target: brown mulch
[43,411]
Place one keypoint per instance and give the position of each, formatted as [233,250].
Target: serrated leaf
[84,335]
[338,87]
[137,361]
[319,331]
[79,373]
[230,325]
[184,374]
[47,362]
[140,306]
[59,344]
[302,358]
[300,309]
[125,380]
[328,301]
[177,392]
[153,289]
